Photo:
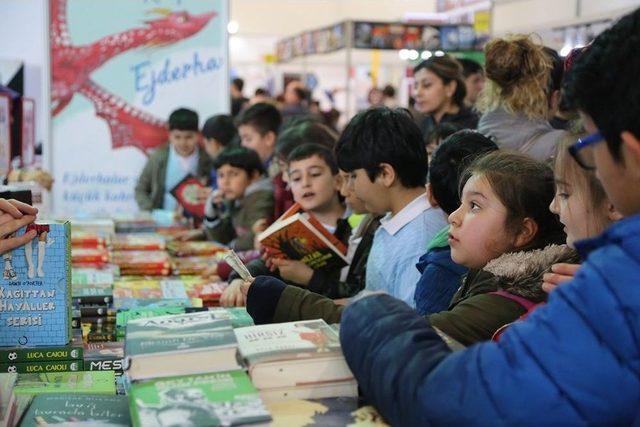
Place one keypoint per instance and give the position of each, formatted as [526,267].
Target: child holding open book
[315,180]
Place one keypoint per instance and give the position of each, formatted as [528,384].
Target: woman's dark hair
[306,151]
[450,160]
[240,157]
[526,188]
[448,69]
[304,132]
[383,135]
[220,128]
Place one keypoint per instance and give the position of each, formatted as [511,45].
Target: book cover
[190,265]
[124,316]
[91,277]
[138,242]
[335,411]
[100,226]
[99,382]
[36,354]
[282,341]
[238,316]
[187,193]
[104,356]
[217,399]
[43,366]
[7,407]
[299,236]
[142,262]
[188,249]
[127,303]
[35,289]
[174,333]
[71,409]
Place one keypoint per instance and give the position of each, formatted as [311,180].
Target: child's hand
[293,271]
[203,194]
[233,296]
[560,273]
[189,235]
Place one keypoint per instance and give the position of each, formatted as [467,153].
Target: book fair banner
[118,69]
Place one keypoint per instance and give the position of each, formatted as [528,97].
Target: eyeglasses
[585,157]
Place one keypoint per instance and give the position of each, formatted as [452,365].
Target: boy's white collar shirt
[188,164]
[393,224]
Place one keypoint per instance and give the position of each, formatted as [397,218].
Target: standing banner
[118,69]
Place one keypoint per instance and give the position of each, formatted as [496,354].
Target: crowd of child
[518,240]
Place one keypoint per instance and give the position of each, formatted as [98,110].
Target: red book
[187,194]
[298,235]
[138,242]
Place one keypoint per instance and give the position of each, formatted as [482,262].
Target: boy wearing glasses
[574,361]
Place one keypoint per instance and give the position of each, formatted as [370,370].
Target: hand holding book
[293,271]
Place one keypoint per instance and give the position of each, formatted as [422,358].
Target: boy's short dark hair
[220,128]
[306,151]
[599,86]
[450,160]
[382,135]
[304,132]
[183,119]
[470,67]
[262,117]
[238,83]
[240,157]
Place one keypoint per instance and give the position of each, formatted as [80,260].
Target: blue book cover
[35,289]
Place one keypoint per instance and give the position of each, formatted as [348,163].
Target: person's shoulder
[162,152]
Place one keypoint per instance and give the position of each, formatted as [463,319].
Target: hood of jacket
[519,133]
[520,273]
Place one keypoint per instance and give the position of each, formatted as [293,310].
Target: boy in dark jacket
[244,196]
[573,361]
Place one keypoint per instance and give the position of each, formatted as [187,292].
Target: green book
[43,366]
[180,344]
[21,355]
[124,316]
[237,315]
[59,409]
[97,382]
[217,399]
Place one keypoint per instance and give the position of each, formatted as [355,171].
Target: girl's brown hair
[518,74]
[569,173]
[448,69]
[526,188]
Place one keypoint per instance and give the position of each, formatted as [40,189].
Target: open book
[298,235]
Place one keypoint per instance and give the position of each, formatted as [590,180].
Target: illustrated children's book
[216,399]
[298,235]
[35,289]
[72,409]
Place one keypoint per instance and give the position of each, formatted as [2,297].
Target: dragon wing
[129,126]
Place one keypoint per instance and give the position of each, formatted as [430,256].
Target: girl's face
[432,95]
[477,233]
[580,218]
[313,185]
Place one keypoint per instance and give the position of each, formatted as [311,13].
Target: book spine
[77,323]
[21,355]
[115,364]
[96,311]
[93,300]
[43,367]
[99,336]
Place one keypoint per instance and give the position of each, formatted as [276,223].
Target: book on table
[188,194]
[138,242]
[74,409]
[292,354]
[214,399]
[298,235]
[181,344]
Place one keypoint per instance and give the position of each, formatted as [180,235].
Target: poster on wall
[5,134]
[118,69]
[28,131]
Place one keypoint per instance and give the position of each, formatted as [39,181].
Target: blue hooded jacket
[574,361]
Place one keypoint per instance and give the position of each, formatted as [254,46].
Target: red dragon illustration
[72,67]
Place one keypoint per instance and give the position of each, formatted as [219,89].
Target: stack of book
[142,263]
[188,249]
[89,257]
[296,360]
[185,365]
[93,311]
[77,409]
[138,242]
[194,290]
[42,359]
